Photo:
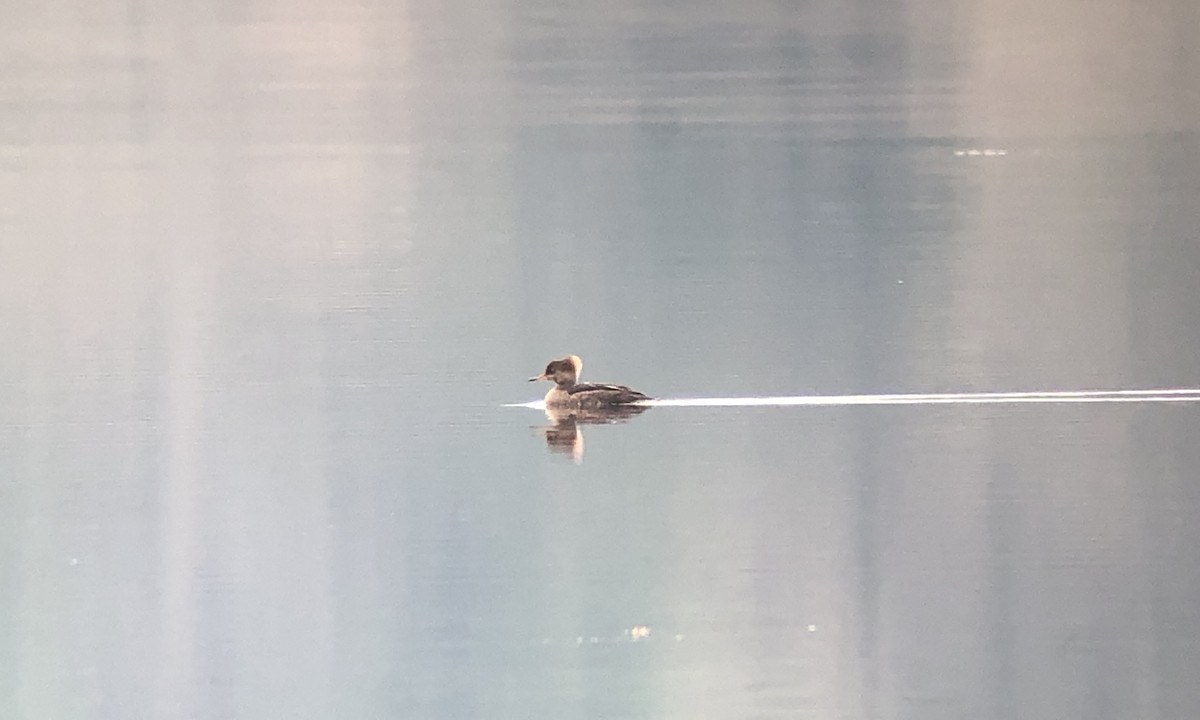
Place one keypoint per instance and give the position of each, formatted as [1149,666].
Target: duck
[570,394]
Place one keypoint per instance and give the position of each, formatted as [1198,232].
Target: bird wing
[623,392]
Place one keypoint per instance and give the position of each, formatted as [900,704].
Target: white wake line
[930,399]
[1168,395]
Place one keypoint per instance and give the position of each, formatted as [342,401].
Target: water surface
[269,275]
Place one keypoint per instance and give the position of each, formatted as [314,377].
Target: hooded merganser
[569,394]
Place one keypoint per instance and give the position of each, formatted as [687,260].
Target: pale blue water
[269,276]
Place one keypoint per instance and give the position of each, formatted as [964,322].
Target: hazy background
[269,271]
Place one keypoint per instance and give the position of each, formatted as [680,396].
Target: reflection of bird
[594,416]
[570,394]
[565,435]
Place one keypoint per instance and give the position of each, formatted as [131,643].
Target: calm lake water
[269,274]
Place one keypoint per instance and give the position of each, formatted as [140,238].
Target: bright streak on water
[1035,396]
